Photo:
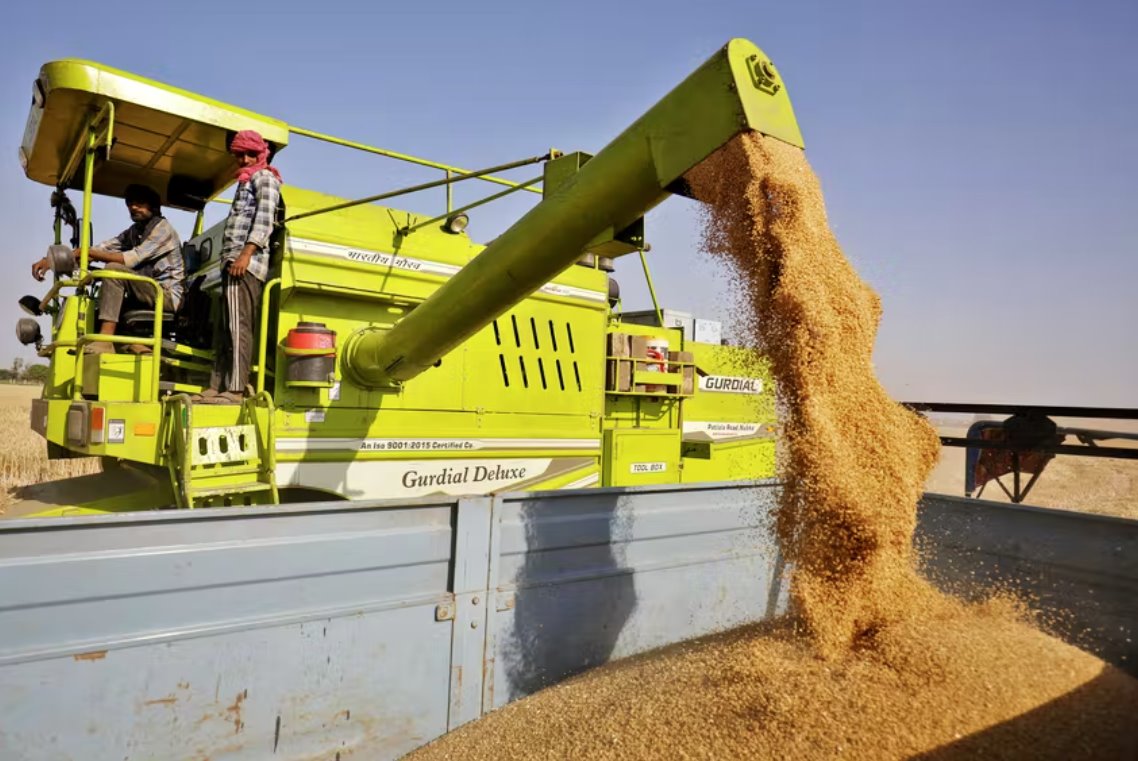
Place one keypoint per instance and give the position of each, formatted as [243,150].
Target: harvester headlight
[28,331]
[456,223]
[62,259]
[31,305]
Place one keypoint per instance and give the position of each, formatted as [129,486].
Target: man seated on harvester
[150,247]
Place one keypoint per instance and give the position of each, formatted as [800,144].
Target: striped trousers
[234,335]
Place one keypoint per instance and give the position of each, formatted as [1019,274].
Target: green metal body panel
[641,456]
[729,427]
[501,350]
[118,377]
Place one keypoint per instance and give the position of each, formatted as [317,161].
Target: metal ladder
[221,465]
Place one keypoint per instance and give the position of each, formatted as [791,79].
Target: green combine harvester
[442,366]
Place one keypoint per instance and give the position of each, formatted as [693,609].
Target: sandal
[99,347]
[225,397]
[205,396]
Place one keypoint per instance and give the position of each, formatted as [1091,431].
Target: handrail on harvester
[448,181]
[735,91]
[447,168]
[154,343]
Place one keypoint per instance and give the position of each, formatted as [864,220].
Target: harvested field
[23,459]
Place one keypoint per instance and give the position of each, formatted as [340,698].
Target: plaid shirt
[250,220]
[153,250]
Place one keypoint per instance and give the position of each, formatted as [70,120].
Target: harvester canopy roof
[167,138]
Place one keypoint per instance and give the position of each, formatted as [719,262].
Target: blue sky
[979,159]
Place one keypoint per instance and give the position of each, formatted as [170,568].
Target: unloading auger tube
[736,90]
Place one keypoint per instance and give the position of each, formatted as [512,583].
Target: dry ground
[23,456]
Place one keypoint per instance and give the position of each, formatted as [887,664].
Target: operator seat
[139,321]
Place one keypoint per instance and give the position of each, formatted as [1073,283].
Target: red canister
[311,351]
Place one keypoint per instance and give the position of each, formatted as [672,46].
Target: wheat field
[23,459]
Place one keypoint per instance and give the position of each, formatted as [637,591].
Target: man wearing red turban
[244,266]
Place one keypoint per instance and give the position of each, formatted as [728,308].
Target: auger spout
[736,90]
